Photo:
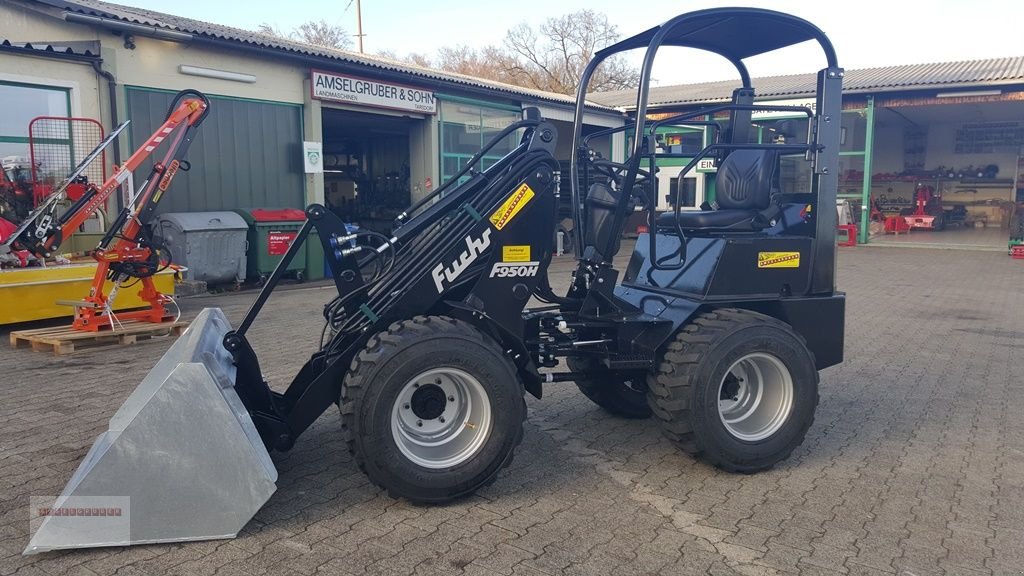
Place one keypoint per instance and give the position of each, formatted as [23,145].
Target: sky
[866,33]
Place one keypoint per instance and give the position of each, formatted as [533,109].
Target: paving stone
[913,464]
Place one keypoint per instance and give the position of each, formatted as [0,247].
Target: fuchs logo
[474,248]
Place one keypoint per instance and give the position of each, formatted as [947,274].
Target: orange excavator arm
[42,233]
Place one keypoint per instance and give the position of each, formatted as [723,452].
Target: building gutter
[130,27]
[68,56]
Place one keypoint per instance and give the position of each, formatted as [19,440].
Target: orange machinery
[128,251]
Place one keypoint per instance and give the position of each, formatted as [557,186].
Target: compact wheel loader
[717,326]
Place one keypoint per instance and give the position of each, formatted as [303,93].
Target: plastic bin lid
[277,215]
[205,220]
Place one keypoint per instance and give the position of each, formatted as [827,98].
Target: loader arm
[477,252]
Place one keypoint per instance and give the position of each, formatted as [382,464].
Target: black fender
[511,342]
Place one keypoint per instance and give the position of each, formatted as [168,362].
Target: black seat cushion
[745,179]
[710,220]
[746,182]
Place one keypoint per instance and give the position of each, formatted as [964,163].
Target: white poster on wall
[363,91]
[313,157]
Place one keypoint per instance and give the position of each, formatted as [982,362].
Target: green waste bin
[271,232]
[314,256]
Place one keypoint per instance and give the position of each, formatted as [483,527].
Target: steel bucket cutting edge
[181,460]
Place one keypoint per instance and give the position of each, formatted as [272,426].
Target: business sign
[707,165]
[363,92]
[801,102]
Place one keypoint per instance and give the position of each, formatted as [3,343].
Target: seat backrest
[745,180]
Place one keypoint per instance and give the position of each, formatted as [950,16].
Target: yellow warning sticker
[508,210]
[515,253]
[778,259]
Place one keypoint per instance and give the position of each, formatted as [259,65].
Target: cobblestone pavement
[914,465]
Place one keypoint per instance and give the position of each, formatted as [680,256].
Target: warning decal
[515,253]
[778,259]
[508,210]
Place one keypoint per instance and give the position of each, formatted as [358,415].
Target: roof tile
[962,74]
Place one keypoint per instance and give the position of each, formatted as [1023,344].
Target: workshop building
[290,124]
[941,139]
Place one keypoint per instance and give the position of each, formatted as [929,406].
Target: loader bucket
[181,461]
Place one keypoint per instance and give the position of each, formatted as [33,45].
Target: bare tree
[554,56]
[550,58]
[488,62]
[316,32]
[417,58]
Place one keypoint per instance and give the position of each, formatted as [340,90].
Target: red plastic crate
[1017,252]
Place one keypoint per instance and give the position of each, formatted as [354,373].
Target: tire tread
[670,386]
[376,349]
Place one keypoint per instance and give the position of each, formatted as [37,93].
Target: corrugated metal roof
[942,75]
[84,48]
[254,39]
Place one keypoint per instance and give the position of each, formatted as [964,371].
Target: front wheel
[736,387]
[432,409]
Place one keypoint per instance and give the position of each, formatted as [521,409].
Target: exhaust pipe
[181,460]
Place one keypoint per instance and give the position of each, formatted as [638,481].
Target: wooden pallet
[64,339]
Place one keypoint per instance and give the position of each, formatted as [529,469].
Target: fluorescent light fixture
[219,74]
[968,93]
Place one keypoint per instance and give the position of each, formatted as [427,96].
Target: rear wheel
[432,409]
[736,387]
[621,394]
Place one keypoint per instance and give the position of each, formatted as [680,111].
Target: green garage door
[246,154]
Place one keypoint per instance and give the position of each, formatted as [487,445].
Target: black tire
[686,390]
[387,366]
[612,391]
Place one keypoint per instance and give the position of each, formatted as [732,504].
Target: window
[687,194]
[465,128]
[22,103]
[688,142]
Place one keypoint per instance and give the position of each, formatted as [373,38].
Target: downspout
[97,65]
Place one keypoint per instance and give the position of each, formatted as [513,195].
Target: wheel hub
[428,402]
[441,418]
[755,397]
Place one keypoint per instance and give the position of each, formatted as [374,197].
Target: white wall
[154,64]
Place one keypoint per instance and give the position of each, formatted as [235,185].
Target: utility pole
[359,24]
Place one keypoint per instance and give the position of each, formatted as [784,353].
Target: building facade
[385,133]
[953,130]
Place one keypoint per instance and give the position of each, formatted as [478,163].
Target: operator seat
[745,183]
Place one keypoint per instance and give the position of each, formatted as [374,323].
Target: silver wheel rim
[755,397]
[441,418]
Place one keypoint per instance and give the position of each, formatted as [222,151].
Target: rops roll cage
[735,34]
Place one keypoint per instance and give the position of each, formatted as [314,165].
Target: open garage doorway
[367,166]
[953,171]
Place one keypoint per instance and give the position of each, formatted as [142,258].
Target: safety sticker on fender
[515,253]
[778,259]
[508,210]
